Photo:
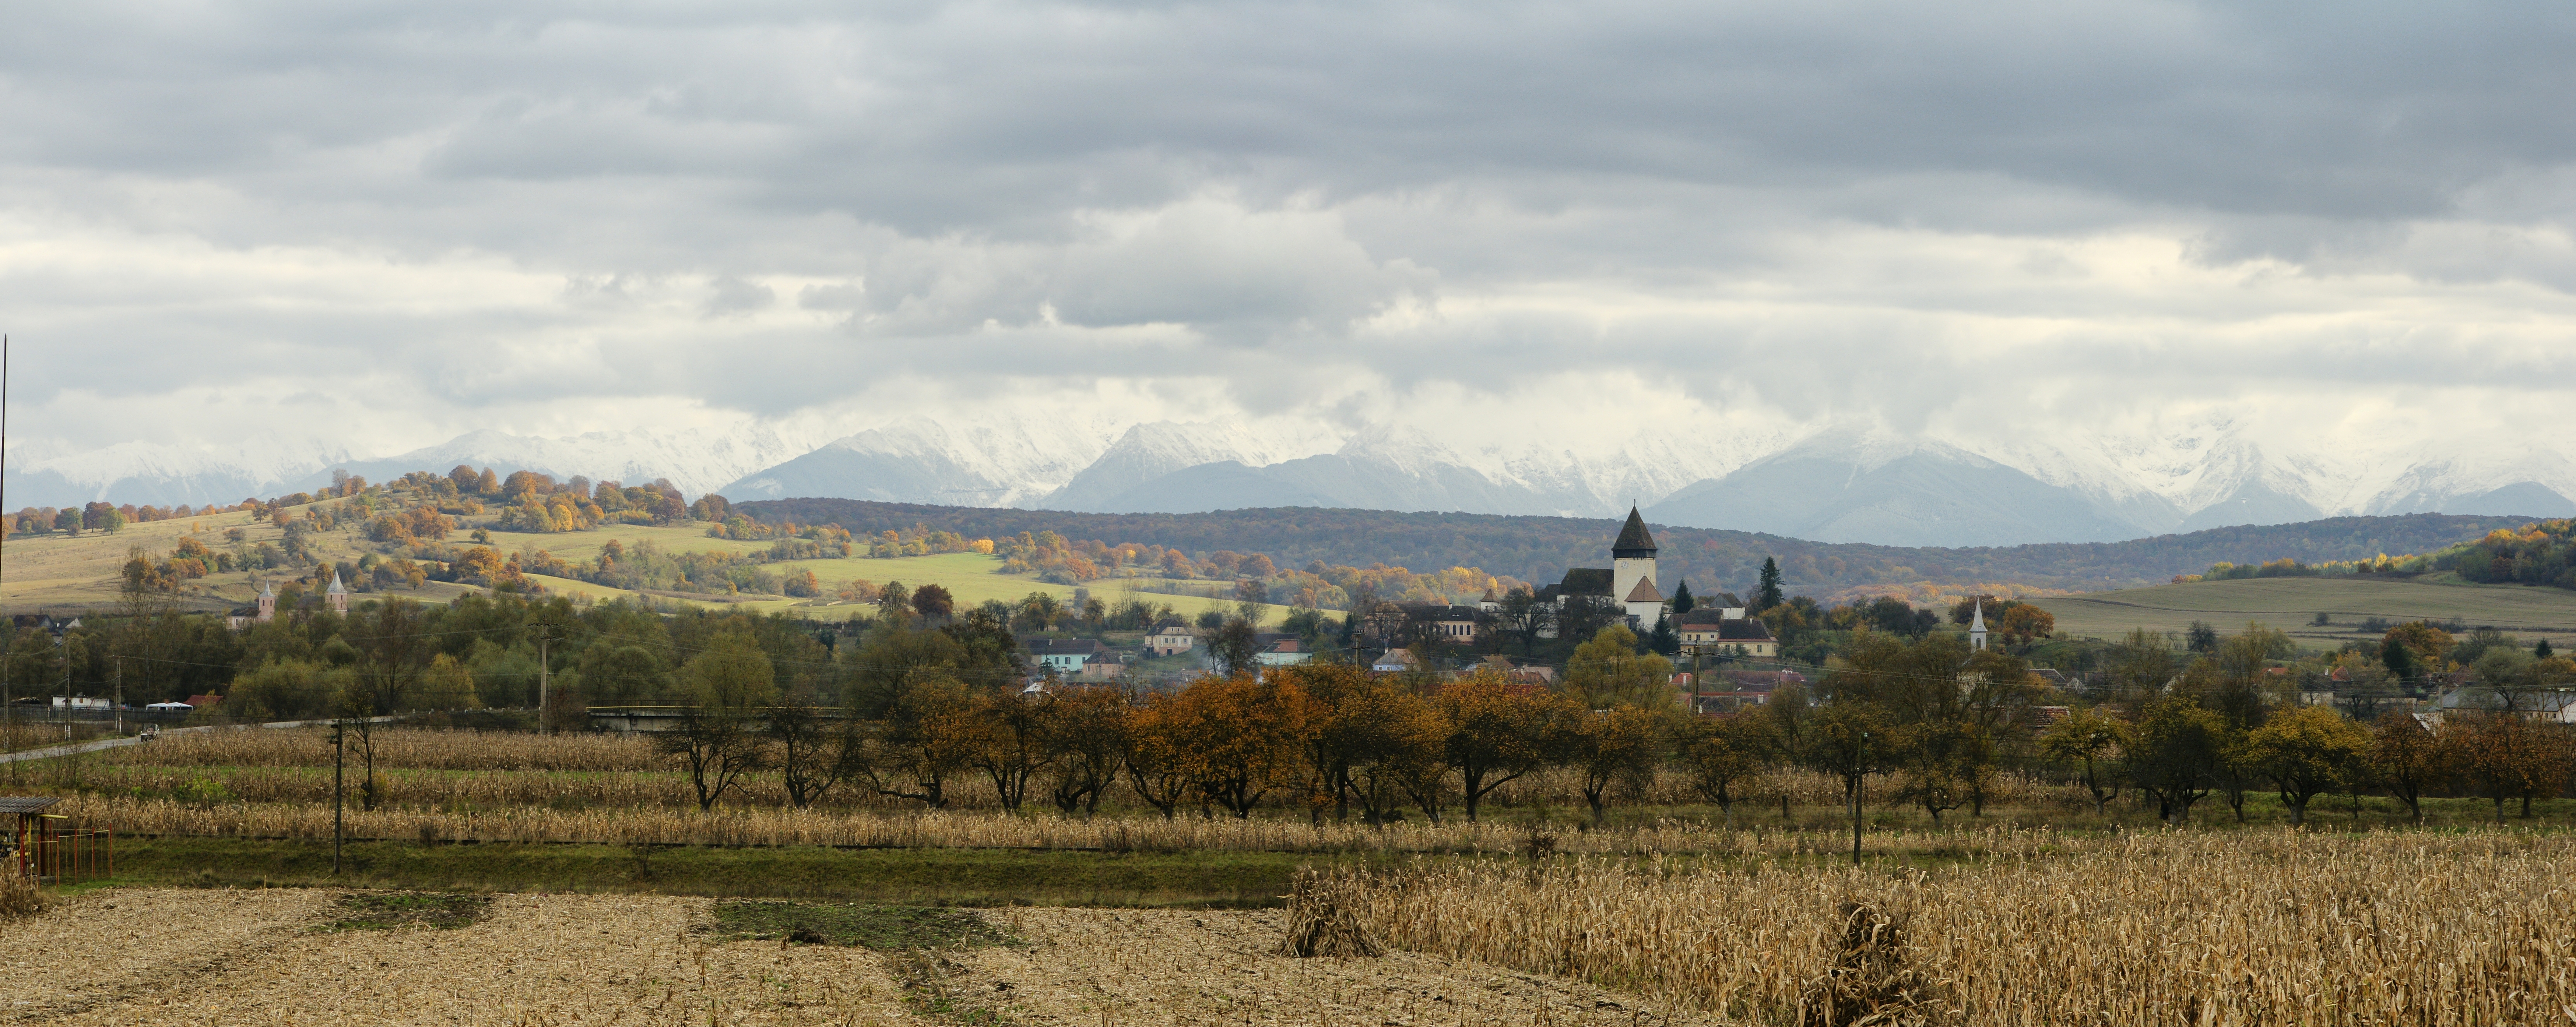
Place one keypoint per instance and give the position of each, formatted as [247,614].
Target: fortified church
[1628,583]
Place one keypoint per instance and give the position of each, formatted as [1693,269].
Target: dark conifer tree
[1662,639]
[1768,594]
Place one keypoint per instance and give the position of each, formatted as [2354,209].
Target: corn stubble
[2162,929]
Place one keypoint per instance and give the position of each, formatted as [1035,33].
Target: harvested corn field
[2276,927]
[134,956]
[939,829]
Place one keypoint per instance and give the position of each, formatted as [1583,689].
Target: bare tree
[1087,739]
[813,756]
[1233,646]
[714,747]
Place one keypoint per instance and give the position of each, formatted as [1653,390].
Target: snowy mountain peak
[1836,482]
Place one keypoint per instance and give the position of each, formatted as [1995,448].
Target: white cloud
[1515,219]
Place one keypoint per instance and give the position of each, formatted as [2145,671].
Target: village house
[1734,690]
[1286,652]
[1435,620]
[1170,638]
[1726,631]
[2555,706]
[1066,656]
[1396,661]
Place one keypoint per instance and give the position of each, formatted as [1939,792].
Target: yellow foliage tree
[1608,671]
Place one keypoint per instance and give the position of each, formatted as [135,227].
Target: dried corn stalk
[1323,919]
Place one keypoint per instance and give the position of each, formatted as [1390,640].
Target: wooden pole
[8,709]
[1860,773]
[339,746]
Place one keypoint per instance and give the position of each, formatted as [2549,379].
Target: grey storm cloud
[1819,205]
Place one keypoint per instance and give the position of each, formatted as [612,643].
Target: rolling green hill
[1541,548]
[2291,604]
[63,574]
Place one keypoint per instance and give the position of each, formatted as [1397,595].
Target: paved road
[111,743]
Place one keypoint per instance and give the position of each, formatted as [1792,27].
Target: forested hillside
[1541,548]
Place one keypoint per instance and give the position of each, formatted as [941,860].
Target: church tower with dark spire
[1632,567]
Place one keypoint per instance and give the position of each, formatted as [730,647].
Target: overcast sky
[389,224]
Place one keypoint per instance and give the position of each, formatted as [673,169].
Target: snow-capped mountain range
[1828,483]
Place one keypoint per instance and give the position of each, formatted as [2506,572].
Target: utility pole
[1860,774]
[120,696]
[339,734]
[8,708]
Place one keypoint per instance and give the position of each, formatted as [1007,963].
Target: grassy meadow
[56,573]
[2291,604]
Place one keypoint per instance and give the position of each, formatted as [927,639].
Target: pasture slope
[62,574]
[2291,604]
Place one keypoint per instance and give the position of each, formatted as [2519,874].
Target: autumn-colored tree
[1497,731]
[1608,672]
[1160,764]
[1011,741]
[1364,737]
[2025,623]
[480,565]
[2504,756]
[1240,740]
[1614,751]
[2306,751]
[487,483]
[2406,758]
[465,480]
[389,529]
[1398,749]
[931,601]
[801,583]
[2429,645]
[2088,742]
[141,587]
[1087,742]
[1721,755]
[929,736]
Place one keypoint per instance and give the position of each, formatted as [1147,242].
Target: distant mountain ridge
[1834,485]
[1542,548]
[1862,483]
